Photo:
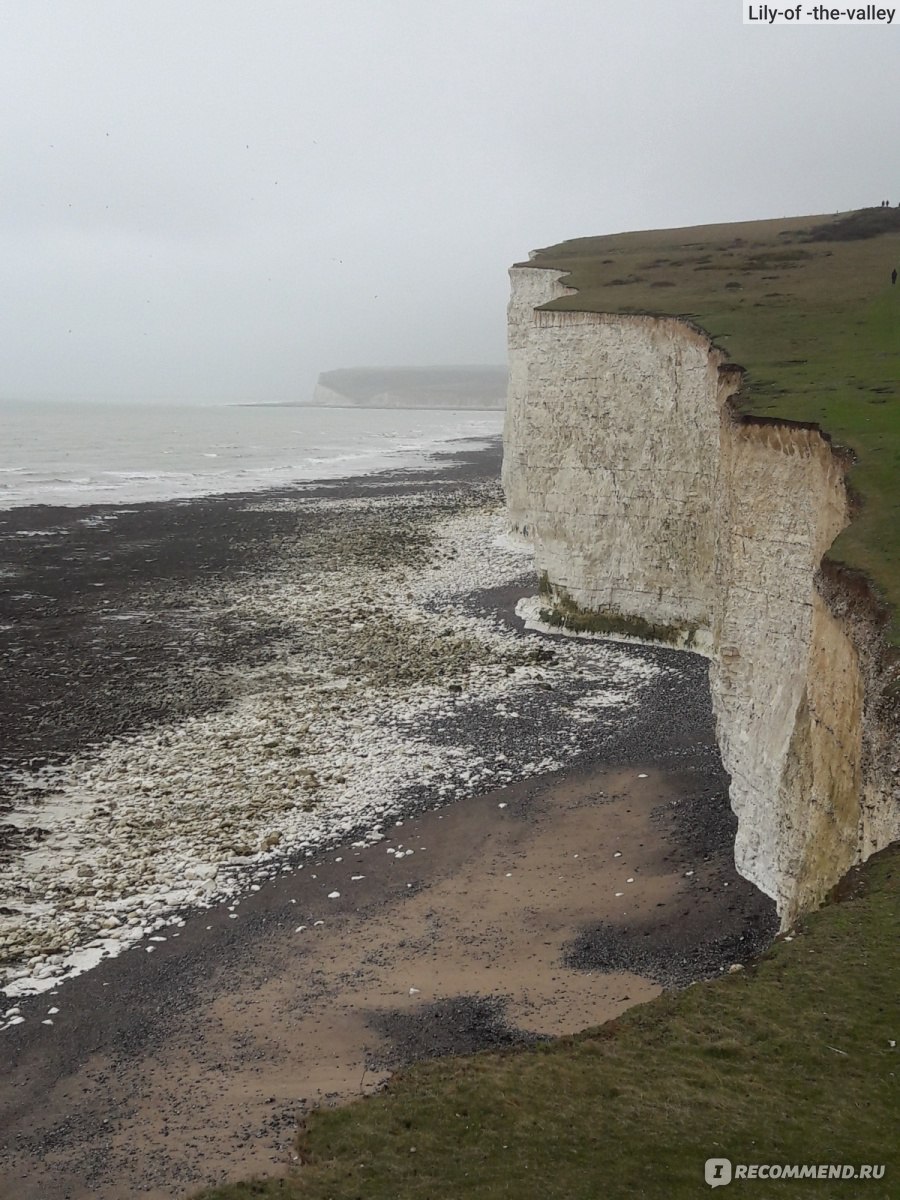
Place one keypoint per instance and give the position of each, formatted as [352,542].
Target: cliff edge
[661,506]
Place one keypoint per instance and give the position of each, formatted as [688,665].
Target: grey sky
[221,198]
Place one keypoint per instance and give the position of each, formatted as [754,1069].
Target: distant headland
[412,387]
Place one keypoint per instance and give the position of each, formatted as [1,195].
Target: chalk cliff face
[655,510]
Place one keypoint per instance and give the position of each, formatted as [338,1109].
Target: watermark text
[818,14]
[719,1171]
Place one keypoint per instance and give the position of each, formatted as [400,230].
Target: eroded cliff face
[655,511]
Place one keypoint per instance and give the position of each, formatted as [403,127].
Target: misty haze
[449,590]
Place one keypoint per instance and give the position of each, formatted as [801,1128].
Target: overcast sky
[221,198]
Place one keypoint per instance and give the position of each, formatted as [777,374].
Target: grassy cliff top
[807,307]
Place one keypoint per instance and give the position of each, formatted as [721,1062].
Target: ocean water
[94,453]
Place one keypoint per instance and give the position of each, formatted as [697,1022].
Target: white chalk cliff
[655,509]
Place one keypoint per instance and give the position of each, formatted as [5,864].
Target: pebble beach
[211,698]
[329,730]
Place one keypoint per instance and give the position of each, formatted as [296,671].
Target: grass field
[807,307]
[790,1061]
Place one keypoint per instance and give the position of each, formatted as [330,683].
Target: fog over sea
[72,453]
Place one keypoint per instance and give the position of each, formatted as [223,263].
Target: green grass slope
[806,306]
[789,1061]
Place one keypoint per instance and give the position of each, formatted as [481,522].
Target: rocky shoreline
[311,802]
[326,669]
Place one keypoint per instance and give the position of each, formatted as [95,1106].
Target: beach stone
[347,736]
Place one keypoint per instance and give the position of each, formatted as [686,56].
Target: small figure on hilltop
[893,276]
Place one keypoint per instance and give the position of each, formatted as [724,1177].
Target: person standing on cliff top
[893,276]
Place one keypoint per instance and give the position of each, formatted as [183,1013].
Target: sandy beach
[288,771]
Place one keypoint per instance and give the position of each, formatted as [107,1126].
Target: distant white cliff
[656,511]
[412,387]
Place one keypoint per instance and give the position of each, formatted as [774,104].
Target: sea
[77,452]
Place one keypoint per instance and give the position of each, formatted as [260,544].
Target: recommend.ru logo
[719,1171]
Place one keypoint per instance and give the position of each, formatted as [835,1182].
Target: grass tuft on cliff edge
[788,1061]
[807,307]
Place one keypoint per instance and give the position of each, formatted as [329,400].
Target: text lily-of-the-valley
[818,14]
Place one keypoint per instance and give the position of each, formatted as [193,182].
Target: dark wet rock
[457,1025]
[673,953]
